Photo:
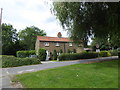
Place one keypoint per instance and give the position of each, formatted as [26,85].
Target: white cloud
[23,13]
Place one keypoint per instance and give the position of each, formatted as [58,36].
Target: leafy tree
[28,36]
[85,19]
[9,40]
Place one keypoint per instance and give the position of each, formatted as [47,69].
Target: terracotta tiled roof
[56,39]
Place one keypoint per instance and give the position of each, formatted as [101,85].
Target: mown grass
[95,75]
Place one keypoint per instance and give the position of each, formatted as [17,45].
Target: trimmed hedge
[42,54]
[24,54]
[104,54]
[75,56]
[113,52]
[11,61]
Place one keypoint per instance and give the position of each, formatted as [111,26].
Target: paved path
[45,65]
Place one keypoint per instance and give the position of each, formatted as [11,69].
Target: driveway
[6,72]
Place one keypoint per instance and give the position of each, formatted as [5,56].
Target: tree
[28,36]
[9,40]
[85,19]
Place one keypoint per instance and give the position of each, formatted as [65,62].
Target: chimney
[59,34]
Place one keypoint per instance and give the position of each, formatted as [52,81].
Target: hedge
[113,52]
[24,54]
[104,53]
[75,56]
[42,54]
[11,61]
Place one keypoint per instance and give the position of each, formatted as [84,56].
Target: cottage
[57,43]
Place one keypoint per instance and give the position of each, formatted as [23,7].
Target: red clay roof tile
[56,39]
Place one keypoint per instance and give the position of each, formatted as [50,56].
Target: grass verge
[94,75]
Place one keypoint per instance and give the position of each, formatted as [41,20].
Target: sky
[25,13]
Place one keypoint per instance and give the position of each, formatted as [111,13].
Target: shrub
[69,51]
[11,61]
[74,50]
[113,52]
[104,54]
[55,55]
[75,56]
[42,54]
[24,54]
[61,51]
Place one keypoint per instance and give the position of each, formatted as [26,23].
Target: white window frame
[70,44]
[57,44]
[46,43]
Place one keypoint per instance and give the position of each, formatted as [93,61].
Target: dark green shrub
[75,56]
[68,51]
[24,54]
[55,55]
[42,54]
[104,54]
[61,51]
[113,52]
[74,50]
[11,61]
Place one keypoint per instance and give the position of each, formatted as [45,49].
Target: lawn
[94,75]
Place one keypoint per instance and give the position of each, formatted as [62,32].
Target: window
[57,44]
[70,44]
[46,43]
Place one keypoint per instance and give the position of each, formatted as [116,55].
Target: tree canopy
[10,42]
[85,19]
[28,36]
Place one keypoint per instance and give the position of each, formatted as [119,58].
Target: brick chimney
[59,34]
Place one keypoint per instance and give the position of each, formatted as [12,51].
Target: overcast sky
[25,13]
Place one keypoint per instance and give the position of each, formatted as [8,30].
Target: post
[1,17]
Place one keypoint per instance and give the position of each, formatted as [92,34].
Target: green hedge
[113,52]
[75,56]
[104,54]
[11,61]
[24,54]
[42,54]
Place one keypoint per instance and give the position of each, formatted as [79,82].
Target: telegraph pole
[1,17]
[1,34]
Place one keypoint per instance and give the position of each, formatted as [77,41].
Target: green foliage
[113,52]
[23,54]
[55,55]
[61,51]
[11,61]
[75,56]
[85,19]
[74,50]
[104,53]
[68,51]
[28,36]
[42,54]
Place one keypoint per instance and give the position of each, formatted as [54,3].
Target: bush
[24,54]
[75,56]
[55,55]
[61,51]
[104,54]
[11,61]
[74,50]
[42,54]
[113,52]
[68,51]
